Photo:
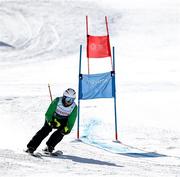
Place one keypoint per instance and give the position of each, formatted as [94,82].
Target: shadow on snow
[88,160]
[143,155]
[3,44]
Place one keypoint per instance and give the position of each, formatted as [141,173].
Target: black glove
[53,124]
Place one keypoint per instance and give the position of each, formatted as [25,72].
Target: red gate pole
[87,43]
[107,29]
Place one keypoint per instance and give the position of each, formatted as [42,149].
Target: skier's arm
[51,110]
[71,120]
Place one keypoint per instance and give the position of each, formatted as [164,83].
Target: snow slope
[39,44]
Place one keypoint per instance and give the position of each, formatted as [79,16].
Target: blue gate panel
[97,86]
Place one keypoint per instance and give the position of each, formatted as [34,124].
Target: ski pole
[50,92]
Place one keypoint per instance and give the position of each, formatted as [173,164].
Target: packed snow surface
[39,44]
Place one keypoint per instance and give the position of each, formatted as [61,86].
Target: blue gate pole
[115,112]
[78,120]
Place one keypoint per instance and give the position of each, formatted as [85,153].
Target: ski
[34,154]
[45,154]
[52,154]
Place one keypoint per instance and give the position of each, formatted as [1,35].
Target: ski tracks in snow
[29,34]
[148,158]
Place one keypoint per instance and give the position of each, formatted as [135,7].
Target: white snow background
[39,44]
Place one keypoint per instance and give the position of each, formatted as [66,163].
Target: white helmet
[69,96]
[70,93]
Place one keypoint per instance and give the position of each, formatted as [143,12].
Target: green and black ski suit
[58,117]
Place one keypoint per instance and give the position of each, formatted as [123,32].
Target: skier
[61,115]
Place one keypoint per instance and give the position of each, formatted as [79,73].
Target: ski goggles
[69,100]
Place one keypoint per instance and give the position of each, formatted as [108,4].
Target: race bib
[62,110]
